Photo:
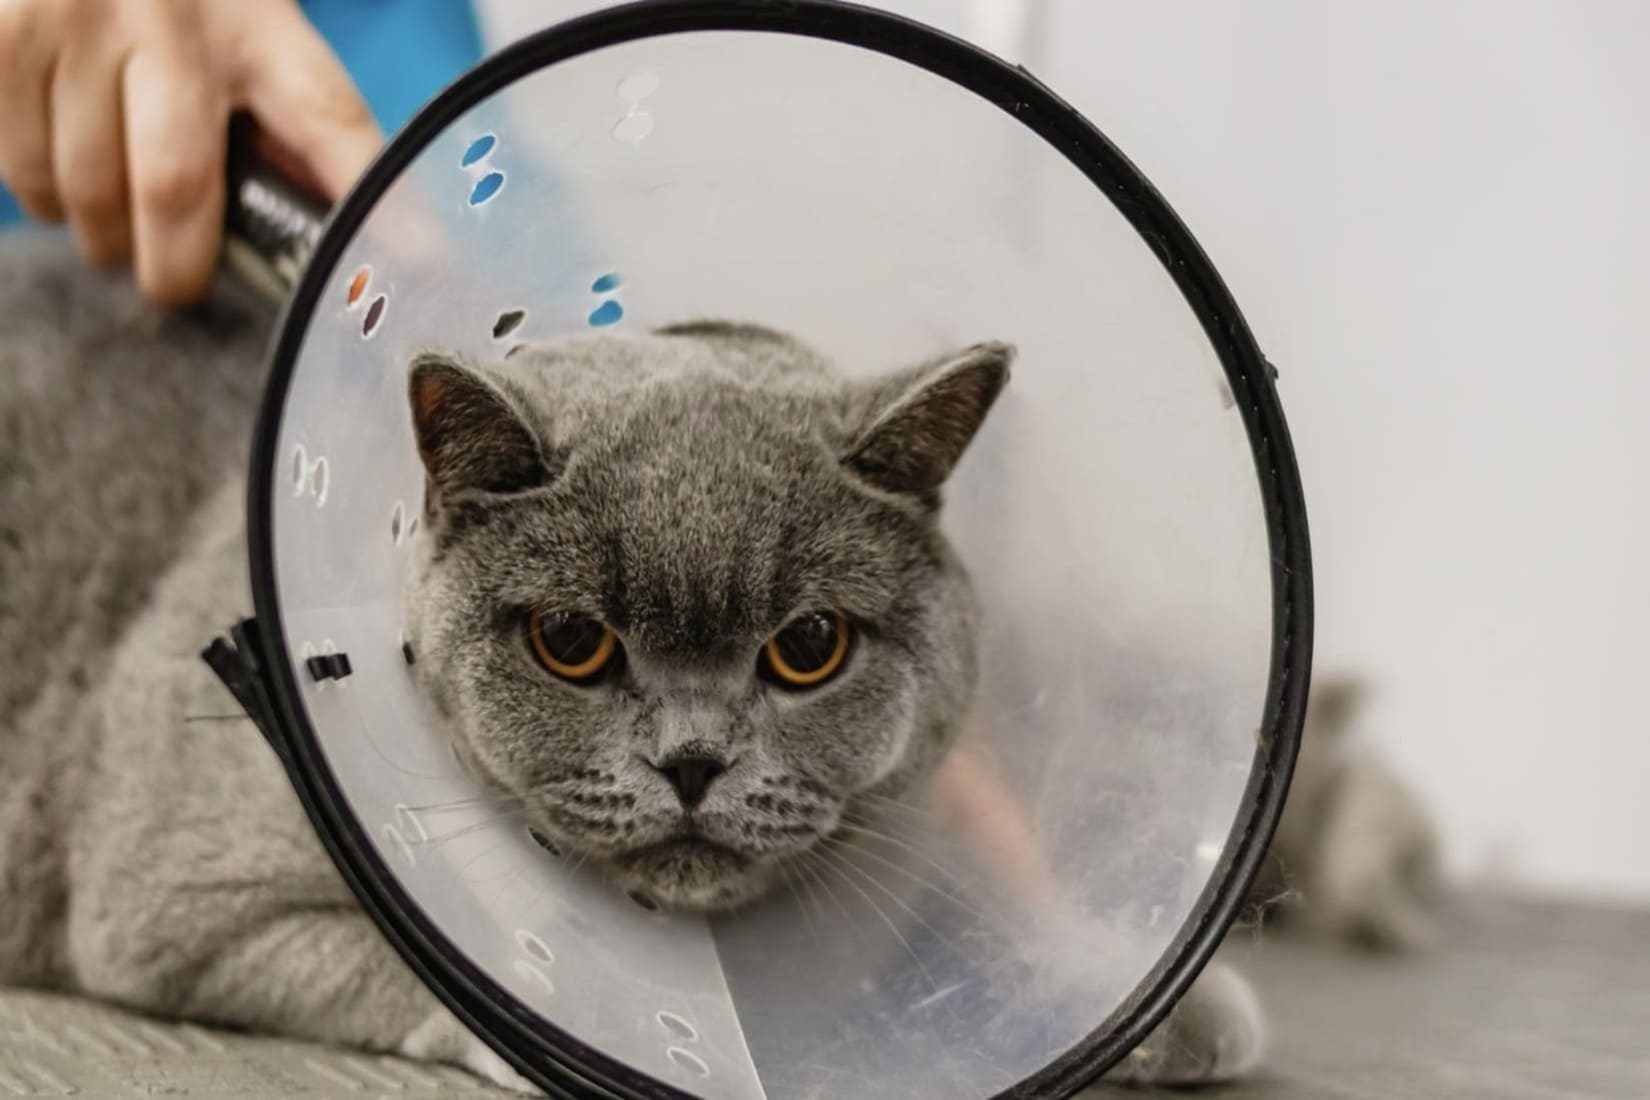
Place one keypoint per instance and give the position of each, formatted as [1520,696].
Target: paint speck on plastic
[375,315]
[478,150]
[608,313]
[358,285]
[486,188]
[508,322]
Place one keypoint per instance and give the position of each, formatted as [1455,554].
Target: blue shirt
[399,52]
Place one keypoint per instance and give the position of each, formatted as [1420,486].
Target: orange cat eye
[575,648]
[808,651]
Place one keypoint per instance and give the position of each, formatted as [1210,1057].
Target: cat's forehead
[648,403]
[579,377]
[706,561]
[720,518]
[702,487]
[687,472]
[689,551]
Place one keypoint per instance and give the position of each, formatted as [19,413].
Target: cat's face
[684,596]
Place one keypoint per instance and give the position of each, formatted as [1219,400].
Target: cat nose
[691,775]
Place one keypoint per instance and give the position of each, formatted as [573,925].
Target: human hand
[117,116]
[972,799]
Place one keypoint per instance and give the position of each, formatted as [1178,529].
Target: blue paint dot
[606,283]
[607,313]
[479,148]
[486,187]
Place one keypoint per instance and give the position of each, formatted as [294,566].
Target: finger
[88,151]
[297,90]
[27,56]
[284,161]
[176,126]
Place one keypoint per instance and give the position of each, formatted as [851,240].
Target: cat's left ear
[918,422]
[471,436]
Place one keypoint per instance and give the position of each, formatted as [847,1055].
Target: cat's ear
[918,422]
[470,435]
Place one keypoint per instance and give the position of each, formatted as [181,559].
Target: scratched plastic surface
[1109,514]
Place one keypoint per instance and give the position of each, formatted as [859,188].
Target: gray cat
[710,618]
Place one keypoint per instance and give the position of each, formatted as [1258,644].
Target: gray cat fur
[151,851]
[691,489]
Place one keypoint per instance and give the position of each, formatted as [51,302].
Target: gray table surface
[1522,1000]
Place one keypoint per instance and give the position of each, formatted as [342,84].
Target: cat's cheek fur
[849,735]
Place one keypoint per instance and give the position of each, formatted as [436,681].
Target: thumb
[298,91]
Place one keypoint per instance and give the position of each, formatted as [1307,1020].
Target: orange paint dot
[358,285]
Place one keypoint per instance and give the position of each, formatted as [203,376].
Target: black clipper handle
[271,225]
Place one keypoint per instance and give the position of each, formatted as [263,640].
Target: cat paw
[1216,1033]
[442,1038]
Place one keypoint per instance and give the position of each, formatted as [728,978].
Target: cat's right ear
[921,420]
[470,435]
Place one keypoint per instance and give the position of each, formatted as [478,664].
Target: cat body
[151,850]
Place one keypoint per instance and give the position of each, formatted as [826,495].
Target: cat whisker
[849,864]
[809,866]
[809,881]
[961,880]
[920,881]
[465,830]
[478,857]
[384,756]
[884,803]
[503,879]
[579,860]
[517,876]
[863,836]
[491,798]
[790,884]
[877,909]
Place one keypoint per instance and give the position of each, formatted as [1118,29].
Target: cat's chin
[691,873]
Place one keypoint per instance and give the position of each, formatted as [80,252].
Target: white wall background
[1437,218]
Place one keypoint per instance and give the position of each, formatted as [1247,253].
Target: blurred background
[1435,217]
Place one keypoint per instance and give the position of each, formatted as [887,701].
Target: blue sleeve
[399,52]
